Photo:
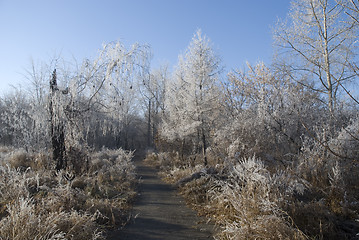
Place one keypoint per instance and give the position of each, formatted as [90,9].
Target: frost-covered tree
[152,89]
[102,94]
[192,98]
[96,102]
[119,94]
[100,99]
[265,111]
[318,41]
[25,111]
[17,120]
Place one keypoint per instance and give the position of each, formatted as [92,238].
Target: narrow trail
[161,213]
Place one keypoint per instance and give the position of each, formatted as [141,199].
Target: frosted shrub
[22,160]
[314,163]
[24,121]
[347,141]
[78,226]
[346,145]
[19,159]
[25,222]
[165,161]
[234,149]
[13,184]
[287,185]
[73,209]
[98,163]
[64,198]
[249,204]
[110,184]
[124,161]
[329,164]
[117,166]
[250,171]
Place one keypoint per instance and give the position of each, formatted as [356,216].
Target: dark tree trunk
[204,148]
[149,135]
[57,130]
[58,147]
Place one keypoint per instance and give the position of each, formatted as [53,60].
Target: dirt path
[161,214]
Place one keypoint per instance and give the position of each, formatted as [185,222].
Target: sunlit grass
[36,201]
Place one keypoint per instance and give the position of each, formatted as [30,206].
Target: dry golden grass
[25,220]
[247,201]
[32,195]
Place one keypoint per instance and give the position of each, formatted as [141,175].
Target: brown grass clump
[22,160]
[196,193]
[26,221]
[41,162]
[19,159]
[79,226]
[250,203]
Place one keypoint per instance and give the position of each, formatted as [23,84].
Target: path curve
[161,213]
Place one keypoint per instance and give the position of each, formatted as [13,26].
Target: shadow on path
[160,213]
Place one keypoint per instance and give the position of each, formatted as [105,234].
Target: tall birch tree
[317,41]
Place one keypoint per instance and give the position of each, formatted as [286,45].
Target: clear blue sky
[39,29]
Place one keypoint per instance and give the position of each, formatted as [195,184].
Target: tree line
[117,100]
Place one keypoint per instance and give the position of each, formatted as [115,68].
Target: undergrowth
[79,203]
[247,199]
